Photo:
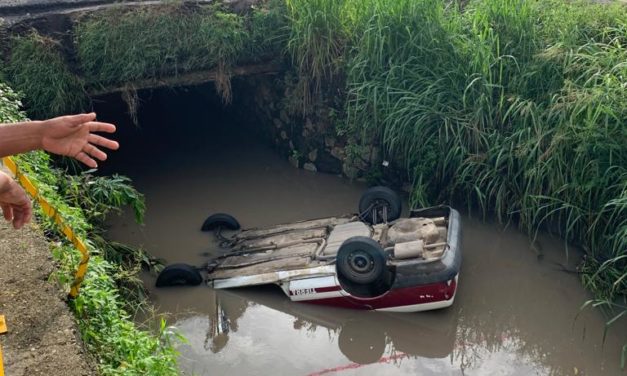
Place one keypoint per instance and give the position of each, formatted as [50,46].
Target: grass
[267,33]
[316,43]
[166,40]
[121,45]
[516,108]
[37,67]
[106,328]
[102,307]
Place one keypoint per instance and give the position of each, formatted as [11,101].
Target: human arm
[71,136]
[16,206]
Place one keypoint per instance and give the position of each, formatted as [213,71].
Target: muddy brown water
[515,313]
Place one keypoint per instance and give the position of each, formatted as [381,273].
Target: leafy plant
[106,328]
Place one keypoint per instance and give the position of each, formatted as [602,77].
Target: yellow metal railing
[51,212]
[3,330]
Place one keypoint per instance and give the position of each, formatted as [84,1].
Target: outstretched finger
[93,151]
[102,141]
[86,159]
[96,126]
[75,120]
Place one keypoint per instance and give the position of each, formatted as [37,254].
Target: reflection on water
[316,341]
[515,313]
[518,320]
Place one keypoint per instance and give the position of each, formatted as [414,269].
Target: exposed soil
[43,336]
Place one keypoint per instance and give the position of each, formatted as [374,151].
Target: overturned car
[371,260]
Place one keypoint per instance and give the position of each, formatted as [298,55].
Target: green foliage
[106,328]
[318,37]
[36,67]
[98,196]
[120,45]
[10,103]
[110,333]
[267,31]
[517,107]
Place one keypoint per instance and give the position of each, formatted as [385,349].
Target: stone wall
[313,141]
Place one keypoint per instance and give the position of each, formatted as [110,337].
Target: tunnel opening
[191,156]
[172,126]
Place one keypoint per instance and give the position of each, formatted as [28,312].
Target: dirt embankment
[43,336]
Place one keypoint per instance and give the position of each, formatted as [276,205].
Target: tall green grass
[512,107]
[37,67]
[517,108]
[267,33]
[317,38]
[121,45]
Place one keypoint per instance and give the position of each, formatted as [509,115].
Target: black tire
[220,220]
[375,199]
[360,260]
[179,275]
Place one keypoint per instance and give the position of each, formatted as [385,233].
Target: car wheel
[360,260]
[179,275]
[380,205]
[223,220]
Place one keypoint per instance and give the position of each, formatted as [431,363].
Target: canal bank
[42,337]
[499,105]
[517,311]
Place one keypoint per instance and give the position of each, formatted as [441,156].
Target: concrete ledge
[187,79]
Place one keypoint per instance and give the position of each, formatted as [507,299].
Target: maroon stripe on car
[394,298]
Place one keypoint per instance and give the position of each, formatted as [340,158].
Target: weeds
[515,107]
[165,41]
[36,66]
[317,42]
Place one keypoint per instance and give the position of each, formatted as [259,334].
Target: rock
[313,155]
[310,167]
[338,152]
[327,163]
[329,141]
[350,171]
[365,153]
[360,164]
